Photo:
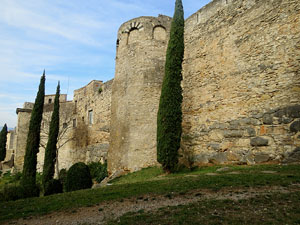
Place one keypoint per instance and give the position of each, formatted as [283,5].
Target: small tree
[3,140]
[169,116]
[33,140]
[51,148]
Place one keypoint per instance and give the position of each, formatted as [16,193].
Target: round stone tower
[140,59]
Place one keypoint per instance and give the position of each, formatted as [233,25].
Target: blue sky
[74,41]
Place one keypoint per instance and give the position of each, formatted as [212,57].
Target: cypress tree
[33,141]
[51,148]
[3,140]
[169,116]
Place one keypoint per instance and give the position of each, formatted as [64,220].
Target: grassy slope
[150,181]
[270,209]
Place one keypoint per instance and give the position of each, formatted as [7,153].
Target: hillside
[267,194]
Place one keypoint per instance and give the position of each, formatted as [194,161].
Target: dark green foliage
[53,186]
[98,171]
[78,177]
[169,116]
[3,139]
[51,149]
[33,141]
[14,192]
[63,176]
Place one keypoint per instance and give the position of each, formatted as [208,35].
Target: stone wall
[241,82]
[141,49]
[81,138]
[93,107]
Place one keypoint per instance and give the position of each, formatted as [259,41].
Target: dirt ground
[101,213]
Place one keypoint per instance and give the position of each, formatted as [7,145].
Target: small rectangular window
[74,123]
[65,125]
[90,117]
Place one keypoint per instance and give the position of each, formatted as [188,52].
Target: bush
[29,190]
[78,177]
[53,187]
[14,192]
[98,171]
[63,176]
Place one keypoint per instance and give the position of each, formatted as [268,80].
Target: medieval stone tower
[141,49]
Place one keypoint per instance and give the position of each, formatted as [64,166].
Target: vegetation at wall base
[169,116]
[98,171]
[53,186]
[3,140]
[51,151]
[78,177]
[33,140]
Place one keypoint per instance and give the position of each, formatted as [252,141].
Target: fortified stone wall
[84,126]
[141,49]
[241,86]
[241,82]
[91,137]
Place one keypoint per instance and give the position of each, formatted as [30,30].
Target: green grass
[151,181]
[270,209]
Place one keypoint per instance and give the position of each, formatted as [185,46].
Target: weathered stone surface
[261,157]
[214,146]
[201,159]
[239,78]
[219,158]
[259,141]
[293,156]
[295,127]
[267,119]
[251,131]
[233,133]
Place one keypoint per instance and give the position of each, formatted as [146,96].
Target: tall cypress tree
[33,141]
[169,116]
[3,140]
[51,148]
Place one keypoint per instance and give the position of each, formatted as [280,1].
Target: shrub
[14,192]
[53,187]
[78,177]
[63,176]
[29,190]
[98,171]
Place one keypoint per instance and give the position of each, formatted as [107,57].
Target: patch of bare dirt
[101,213]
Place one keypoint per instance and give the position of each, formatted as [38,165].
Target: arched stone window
[133,32]
[159,33]
[133,35]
